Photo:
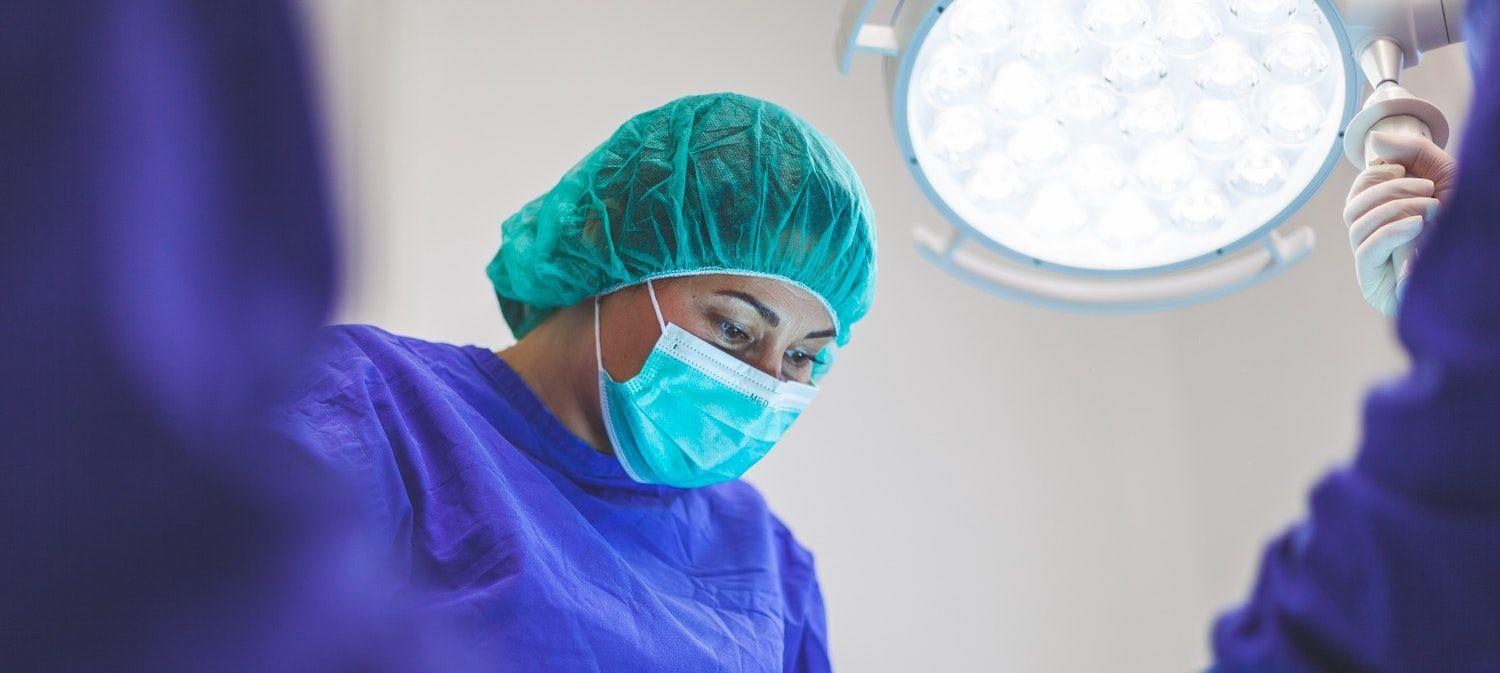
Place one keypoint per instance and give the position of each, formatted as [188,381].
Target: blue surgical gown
[1397,567]
[541,551]
[165,258]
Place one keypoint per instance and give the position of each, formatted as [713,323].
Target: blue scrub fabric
[1397,567]
[541,552]
[165,259]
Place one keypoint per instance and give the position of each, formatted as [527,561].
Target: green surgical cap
[721,183]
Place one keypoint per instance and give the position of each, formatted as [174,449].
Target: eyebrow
[770,315]
[762,309]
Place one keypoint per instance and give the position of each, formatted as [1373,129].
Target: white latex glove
[1388,205]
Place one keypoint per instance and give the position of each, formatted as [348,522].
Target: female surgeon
[572,502]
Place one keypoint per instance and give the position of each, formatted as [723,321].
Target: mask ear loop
[656,307]
[598,352]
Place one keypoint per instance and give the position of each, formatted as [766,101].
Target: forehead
[789,300]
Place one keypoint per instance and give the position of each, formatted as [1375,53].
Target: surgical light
[1125,155]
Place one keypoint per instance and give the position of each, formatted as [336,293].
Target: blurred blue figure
[1397,568]
[164,259]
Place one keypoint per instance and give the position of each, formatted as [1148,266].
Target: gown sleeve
[807,651]
[331,417]
[806,628]
[1397,567]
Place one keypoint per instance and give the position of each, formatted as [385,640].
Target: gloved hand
[1388,205]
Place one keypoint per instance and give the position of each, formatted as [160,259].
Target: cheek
[623,358]
[626,341]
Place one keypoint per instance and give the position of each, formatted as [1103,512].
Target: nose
[769,362]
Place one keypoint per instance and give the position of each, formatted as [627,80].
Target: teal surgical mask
[694,415]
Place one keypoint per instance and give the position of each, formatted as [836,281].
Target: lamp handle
[1402,125]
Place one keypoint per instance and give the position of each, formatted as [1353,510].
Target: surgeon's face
[776,327]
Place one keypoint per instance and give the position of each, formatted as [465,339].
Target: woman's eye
[732,333]
[800,359]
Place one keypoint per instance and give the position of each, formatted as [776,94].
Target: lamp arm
[953,252]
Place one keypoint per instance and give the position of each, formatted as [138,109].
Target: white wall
[987,486]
